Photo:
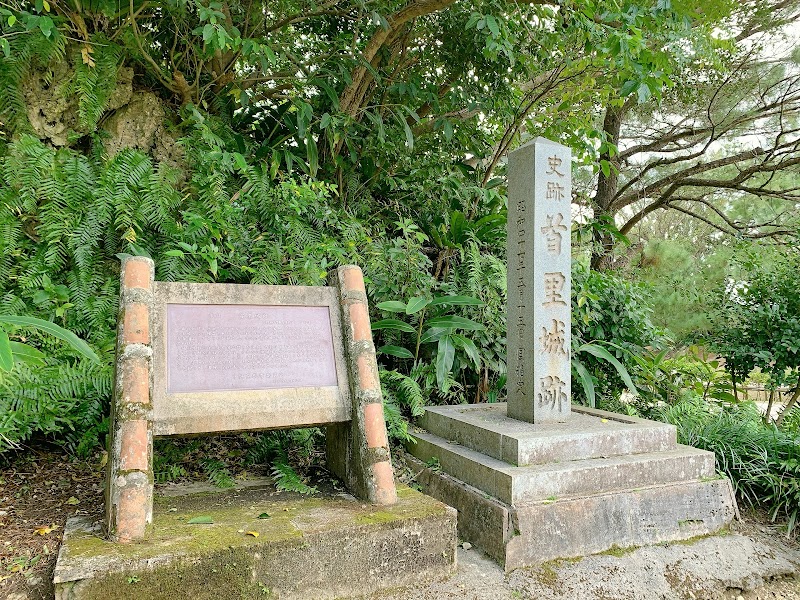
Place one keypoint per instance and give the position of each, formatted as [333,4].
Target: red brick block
[137,274]
[354,280]
[385,492]
[368,373]
[136,326]
[359,322]
[133,446]
[375,426]
[136,381]
[131,513]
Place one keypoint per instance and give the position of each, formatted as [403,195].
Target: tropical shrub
[610,328]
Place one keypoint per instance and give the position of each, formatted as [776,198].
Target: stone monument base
[262,544]
[530,493]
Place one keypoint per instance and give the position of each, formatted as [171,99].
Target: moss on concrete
[223,559]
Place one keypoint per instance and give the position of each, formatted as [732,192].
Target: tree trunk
[607,185]
[789,405]
[769,406]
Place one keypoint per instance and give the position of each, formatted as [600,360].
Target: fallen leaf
[73,501]
[86,54]
[253,533]
[201,521]
[45,529]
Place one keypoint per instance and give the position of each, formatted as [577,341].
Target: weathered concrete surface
[539,258]
[514,485]
[590,433]
[358,451]
[482,519]
[741,565]
[581,526]
[319,547]
[518,535]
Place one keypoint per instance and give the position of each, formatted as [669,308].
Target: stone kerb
[129,481]
[358,451]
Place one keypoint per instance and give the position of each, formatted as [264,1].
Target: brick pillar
[129,479]
[358,451]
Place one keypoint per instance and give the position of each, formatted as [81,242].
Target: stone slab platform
[325,546]
[589,433]
[515,485]
[536,532]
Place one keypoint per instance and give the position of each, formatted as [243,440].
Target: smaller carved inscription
[212,347]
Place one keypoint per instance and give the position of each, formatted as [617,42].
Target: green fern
[217,473]
[287,479]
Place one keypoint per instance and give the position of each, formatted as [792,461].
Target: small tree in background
[757,321]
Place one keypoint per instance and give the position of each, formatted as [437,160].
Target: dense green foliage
[613,315]
[757,317]
[762,461]
[269,142]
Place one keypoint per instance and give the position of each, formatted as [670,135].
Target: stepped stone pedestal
[537,478]
[527,493]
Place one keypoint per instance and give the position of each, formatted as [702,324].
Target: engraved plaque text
[216,347]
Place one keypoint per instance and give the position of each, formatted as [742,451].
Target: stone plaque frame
[141,408]
[200,412]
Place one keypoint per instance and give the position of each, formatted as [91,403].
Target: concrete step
[590,433]
[575,478]
[536,532]
[326,547]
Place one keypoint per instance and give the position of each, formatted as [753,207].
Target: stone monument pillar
[539,258]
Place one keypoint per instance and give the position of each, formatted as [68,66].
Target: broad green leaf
[392,306]
[46,26]
[27,354]
[469,348]
[458,225]
[6,357]
[397,351]
[493,26]
[416,304]
[432,335]
[643,93]
[312,154]
[178,253]
[453,322]
[54,330]
[395,324]
[604,354]
[409,136]
[586,381]
[444,360]
[200,521]
[456,301]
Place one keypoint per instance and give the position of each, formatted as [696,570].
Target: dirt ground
[751,562]
[41,487]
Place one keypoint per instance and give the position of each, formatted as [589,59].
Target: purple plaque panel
[221,347]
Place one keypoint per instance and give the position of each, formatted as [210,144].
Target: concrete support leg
[129,480]
[358,451]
